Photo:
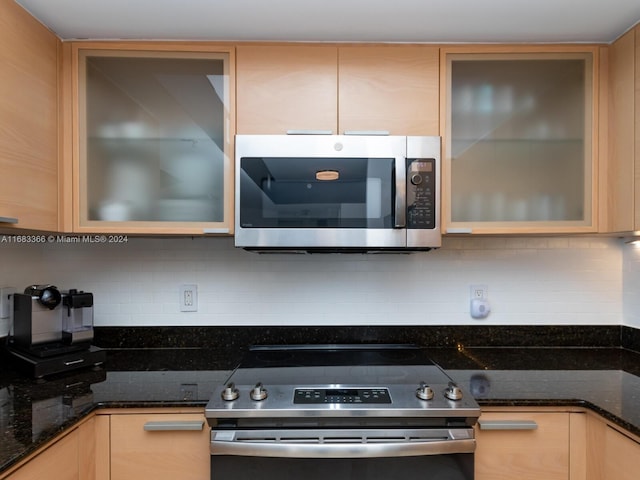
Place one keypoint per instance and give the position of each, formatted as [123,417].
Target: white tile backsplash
[631,279]
[532,281]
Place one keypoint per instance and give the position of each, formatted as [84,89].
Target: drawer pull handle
[507,425]
[459,230]
[8,220]
[367,132]
[309,132]
[73,362]
[195,425]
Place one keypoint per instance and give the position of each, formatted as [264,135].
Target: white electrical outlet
[480,306]
[189,391]
[189,298]
[479,291]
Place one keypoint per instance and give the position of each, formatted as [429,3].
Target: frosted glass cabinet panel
[519,142]
[154,141]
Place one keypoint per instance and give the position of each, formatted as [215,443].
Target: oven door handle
[341,450]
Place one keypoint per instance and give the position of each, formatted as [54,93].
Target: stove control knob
[230,393]
[258,393]
[424,392]
[453,392]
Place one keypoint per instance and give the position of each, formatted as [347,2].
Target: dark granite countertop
[604,379]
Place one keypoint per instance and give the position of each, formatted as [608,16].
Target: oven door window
[317,192]
[440,467]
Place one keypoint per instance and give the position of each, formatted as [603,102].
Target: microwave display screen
[310,192]
[425,167]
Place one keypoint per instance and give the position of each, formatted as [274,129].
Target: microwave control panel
[421,193]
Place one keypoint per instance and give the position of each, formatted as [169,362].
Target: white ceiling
[443,21]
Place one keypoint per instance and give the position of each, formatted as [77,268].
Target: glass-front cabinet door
[155,141]
[518,140]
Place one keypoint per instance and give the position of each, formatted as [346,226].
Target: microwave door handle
[401,193]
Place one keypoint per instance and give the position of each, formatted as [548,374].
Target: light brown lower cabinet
[527,444]
[522,444]
[611,453]
[621,456]
[540,443]
[71,457]
[58,462]
[159,446]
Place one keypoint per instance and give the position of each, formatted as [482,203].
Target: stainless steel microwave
[347,193]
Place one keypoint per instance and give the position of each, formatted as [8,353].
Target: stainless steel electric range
[362,411]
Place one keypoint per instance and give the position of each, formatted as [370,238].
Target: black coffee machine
[52,331]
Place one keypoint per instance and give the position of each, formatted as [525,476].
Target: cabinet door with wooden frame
[154,138]
[620,184]
[637,130]
[389,88]
[284,88]
[519,139]
[28,122]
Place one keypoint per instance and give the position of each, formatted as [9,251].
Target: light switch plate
[4,301]
[5,310]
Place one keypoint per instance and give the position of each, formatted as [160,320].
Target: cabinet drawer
[159,446]
[522,445]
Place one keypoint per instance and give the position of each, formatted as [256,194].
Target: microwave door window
[317,192]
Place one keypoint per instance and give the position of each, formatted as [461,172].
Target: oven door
[343,454]
[320,191]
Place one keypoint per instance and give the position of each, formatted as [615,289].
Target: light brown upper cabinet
[392,88]
[622,172]
[28,122]
[519,132]
[338,89]
[153,134]
[283,88]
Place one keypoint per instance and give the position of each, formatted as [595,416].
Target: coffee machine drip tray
[46,350]
[38,367]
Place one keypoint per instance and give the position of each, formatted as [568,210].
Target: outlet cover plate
[5,302]
[479,292]
[188,298]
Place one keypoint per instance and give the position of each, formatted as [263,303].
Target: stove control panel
[341,395]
